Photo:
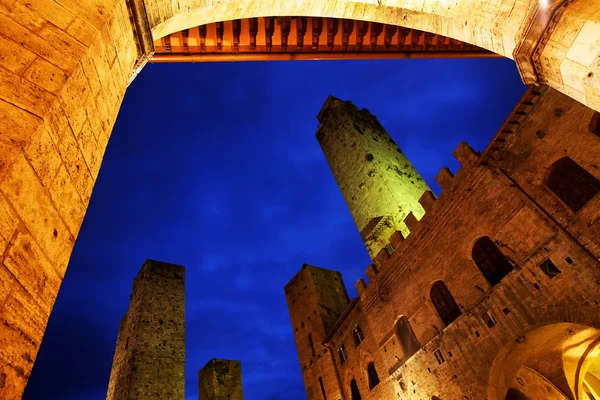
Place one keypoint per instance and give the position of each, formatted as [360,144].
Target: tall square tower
[149,360]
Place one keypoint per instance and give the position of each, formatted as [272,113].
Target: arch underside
[308,38]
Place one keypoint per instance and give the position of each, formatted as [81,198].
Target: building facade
[489,291]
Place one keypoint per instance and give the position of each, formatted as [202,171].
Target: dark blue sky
[215,167]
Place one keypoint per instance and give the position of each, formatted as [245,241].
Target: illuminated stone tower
[316,298]
[149,360]
[220,380]
[379,184]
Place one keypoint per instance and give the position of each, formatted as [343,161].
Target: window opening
[571,183]
[489,319]
[408,340]
[444,303]
[439,356]
[489,259]
[549,268]
[372,373]
[354,390]
[358,335]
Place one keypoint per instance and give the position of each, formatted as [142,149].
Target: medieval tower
[378,182]
[149,360]
[493,295]
[220,380]
[316,299]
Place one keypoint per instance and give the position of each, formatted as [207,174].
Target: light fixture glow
[544,3]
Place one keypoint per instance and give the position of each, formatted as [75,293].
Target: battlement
[418,227]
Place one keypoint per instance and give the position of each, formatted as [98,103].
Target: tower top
[220,379]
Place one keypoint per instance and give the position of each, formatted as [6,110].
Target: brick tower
[220,380]
[149,360]
[316,298]
[379,184]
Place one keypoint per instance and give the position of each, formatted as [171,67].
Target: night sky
[215,167]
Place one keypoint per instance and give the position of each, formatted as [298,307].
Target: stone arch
[564,342]
[538,35]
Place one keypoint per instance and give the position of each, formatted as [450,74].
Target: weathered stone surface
[385,187]
[220,380]
[149,359]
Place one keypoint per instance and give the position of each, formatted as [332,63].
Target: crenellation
[444,178]
[465,154]
[427,200]
[411,222]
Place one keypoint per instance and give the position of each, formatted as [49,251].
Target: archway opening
[551,362]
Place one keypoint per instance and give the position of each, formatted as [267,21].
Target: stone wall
[500,194]
[149,360]
[64,68]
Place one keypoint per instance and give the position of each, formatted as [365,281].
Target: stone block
[63,42]
[16,124]
[68,201]
[46,75]
[24,94]
[32,203]
[43,155]
[32,270]
[76,165]
[91,154]
[83,31]
[13,57]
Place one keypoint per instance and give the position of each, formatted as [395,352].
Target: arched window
[354,390]
[408,340]
[358,335]
[515,394]
[322,388]
[571,183]
[372,373]
[444,303]
[490,260]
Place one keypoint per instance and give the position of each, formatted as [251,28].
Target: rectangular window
[489,319]
[342,354]
[439,356]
